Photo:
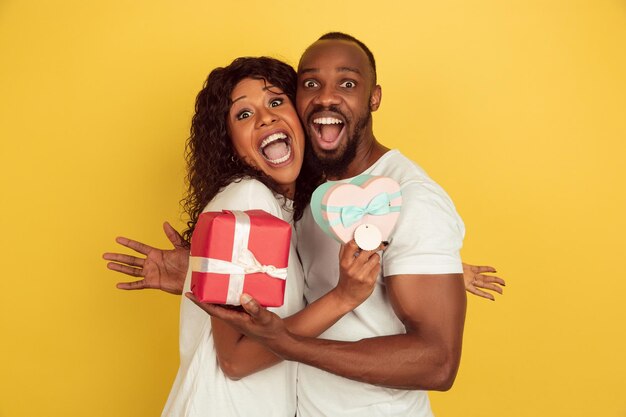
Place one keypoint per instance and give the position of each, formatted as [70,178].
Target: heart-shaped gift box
[339,208]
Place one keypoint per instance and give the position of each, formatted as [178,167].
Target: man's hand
[255,321]
[160,269]
[474,279]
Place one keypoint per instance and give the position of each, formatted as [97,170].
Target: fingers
[124,259]
[212,309]
[491,278]
[259,314]
[250,304]
[232,317]
[359,266]
[173,235]
[481,269]
[254,311]
[372,266]
[134,245]
[487,286]
[136,285]
[349,251]
[480,293]
[125,269]
[366,256]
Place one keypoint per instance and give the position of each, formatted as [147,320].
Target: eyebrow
[266,88]
[338,69]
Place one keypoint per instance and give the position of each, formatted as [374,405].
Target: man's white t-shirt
[201,388]
[426,240]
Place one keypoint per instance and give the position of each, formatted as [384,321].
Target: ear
[376,97]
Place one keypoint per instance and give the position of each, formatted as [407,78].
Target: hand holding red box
[233,252]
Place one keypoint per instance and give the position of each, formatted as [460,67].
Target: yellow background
[518,108]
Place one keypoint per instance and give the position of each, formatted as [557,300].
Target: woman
[246,151]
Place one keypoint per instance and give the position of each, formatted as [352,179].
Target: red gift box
[233,252]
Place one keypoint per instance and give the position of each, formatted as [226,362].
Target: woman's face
[266,131]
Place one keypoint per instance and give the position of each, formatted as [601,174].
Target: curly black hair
[212,162]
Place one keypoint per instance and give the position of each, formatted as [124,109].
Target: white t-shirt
[201,388]
[426,240]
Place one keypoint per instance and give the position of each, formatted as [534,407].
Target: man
[407,336]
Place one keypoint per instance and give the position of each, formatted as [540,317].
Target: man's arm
[432,308]
[239,356]
[160,269]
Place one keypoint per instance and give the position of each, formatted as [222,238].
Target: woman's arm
[474,278]
[239,356]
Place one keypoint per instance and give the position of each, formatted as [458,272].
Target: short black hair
[345,37]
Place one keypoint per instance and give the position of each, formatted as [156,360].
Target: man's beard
[335,162]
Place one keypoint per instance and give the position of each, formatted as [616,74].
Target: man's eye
[348,84]
[310,84]
[244,114]
[276,102]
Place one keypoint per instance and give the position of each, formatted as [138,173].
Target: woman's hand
[160,269]
[474,279]
[358,272]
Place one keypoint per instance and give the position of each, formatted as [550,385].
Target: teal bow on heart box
[339,208]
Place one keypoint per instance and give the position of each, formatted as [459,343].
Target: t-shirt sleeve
[247,194]
[428,236]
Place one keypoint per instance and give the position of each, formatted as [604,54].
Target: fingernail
[386,243]
[245,299]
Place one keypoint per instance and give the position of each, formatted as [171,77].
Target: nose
[327,96]
[266,117]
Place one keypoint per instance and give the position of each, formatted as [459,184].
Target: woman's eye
[276,102]
[310,84]
[244,114]
[348,84]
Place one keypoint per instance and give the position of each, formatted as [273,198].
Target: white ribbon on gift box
[243,261]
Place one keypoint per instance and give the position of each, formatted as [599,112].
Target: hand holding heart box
[233,252]
[368,203]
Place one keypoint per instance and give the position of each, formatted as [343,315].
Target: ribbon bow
[251,265]
[377,206]
[246,263]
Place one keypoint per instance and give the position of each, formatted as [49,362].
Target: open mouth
[276,148]
[329,129]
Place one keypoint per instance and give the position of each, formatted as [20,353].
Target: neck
[289,190]
[369,151]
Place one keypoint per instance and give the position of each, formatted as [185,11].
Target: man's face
[335,98]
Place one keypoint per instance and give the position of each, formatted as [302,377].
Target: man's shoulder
[429,232]
[413,180]
[396,165]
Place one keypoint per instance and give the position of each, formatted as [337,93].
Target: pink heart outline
[346,194]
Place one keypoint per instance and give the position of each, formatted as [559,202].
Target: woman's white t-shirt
[201,388]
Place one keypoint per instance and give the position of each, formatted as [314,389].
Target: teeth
[327,121]
[272,138]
